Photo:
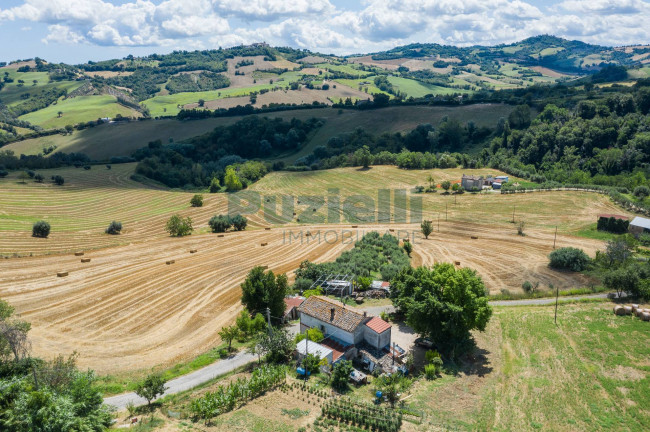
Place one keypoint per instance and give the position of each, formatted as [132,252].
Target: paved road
[187,382]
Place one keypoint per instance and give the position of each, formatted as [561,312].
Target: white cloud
[319,25]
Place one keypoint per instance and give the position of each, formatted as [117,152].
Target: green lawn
[77,110]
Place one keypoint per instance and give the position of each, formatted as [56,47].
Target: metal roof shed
[639,225]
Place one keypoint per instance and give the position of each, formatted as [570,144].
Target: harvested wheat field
[127,309]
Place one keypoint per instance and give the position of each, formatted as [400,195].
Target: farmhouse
[291,307]
[343,327]
[639,225]
[471,182]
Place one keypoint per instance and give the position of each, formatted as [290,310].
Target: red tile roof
[321,308]
[337,349]
[292,302]
[378,325]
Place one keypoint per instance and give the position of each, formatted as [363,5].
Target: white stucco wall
[376,340]
[347,337]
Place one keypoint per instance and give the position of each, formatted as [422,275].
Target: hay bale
[170,262]
[391,230]
[193,250]
[457,263]
[61,274]
[618,310]
[645,316]
[314,210]
[354,226]
[267,229]
[308,234]
[263,244]
[78,254]
[474,237]
[220,235]
[628,310]
[264,267]
[85,260]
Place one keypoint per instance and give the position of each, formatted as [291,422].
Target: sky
[75,31]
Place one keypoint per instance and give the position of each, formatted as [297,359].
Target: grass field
[417,89]
[77,110]
[102,142]
[590,372]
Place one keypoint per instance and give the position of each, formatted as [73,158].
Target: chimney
[365,314]
[331,314]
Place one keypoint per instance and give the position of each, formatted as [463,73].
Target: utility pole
[446,212]
[438,222]
[455,195]
[268,318]
[513,214]
[557,295]
[555,238]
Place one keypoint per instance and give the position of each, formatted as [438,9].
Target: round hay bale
[61,274]
[85,260]
[193,251]
[634,308]
[457,263]
[267,229]
[170,262]
[391,230]
[263,244]
[474,238]
[628,310]
[264,267]
[645,316]
[354,226]
[78,254]
[618,310]
[220,235]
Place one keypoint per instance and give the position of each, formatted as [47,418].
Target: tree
[619,252]
[219,223]
[341,375]
[23,176]
[41,229]
[231,180]
[214,185]
[380,99]
[59,114]
[641,192]
[277,345]
[408,247]
[38,178]
[446,185]
[239,222]
[442,302]
[363,156]
[456,188]
[114,228]
[521,226]
[519,118]
[58,180]
[312,363]
[13,335]
[431,181]
[263,290]
[178,227]
[427,228]
[622,280]
[152,386]
[201,102]
[227,334]
[197,201]
[313,334]
[569,258]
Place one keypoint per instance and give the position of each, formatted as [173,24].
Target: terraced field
[128,310]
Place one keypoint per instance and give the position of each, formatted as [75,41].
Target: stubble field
[128,310]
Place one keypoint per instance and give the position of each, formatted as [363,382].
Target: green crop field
[590,372]
[11,93]
[77,110]
[418,89]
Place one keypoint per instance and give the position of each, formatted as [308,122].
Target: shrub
[214,185]
[527,286]
[569,258]
[239,222]
[641,192]
[178,227]
[114,228]
[38,178]
[430,372]
[58,180]
[86,167]
[41,229]
[3,173]
[197,201]
[219,223]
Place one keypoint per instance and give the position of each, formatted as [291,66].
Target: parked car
[424,343]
